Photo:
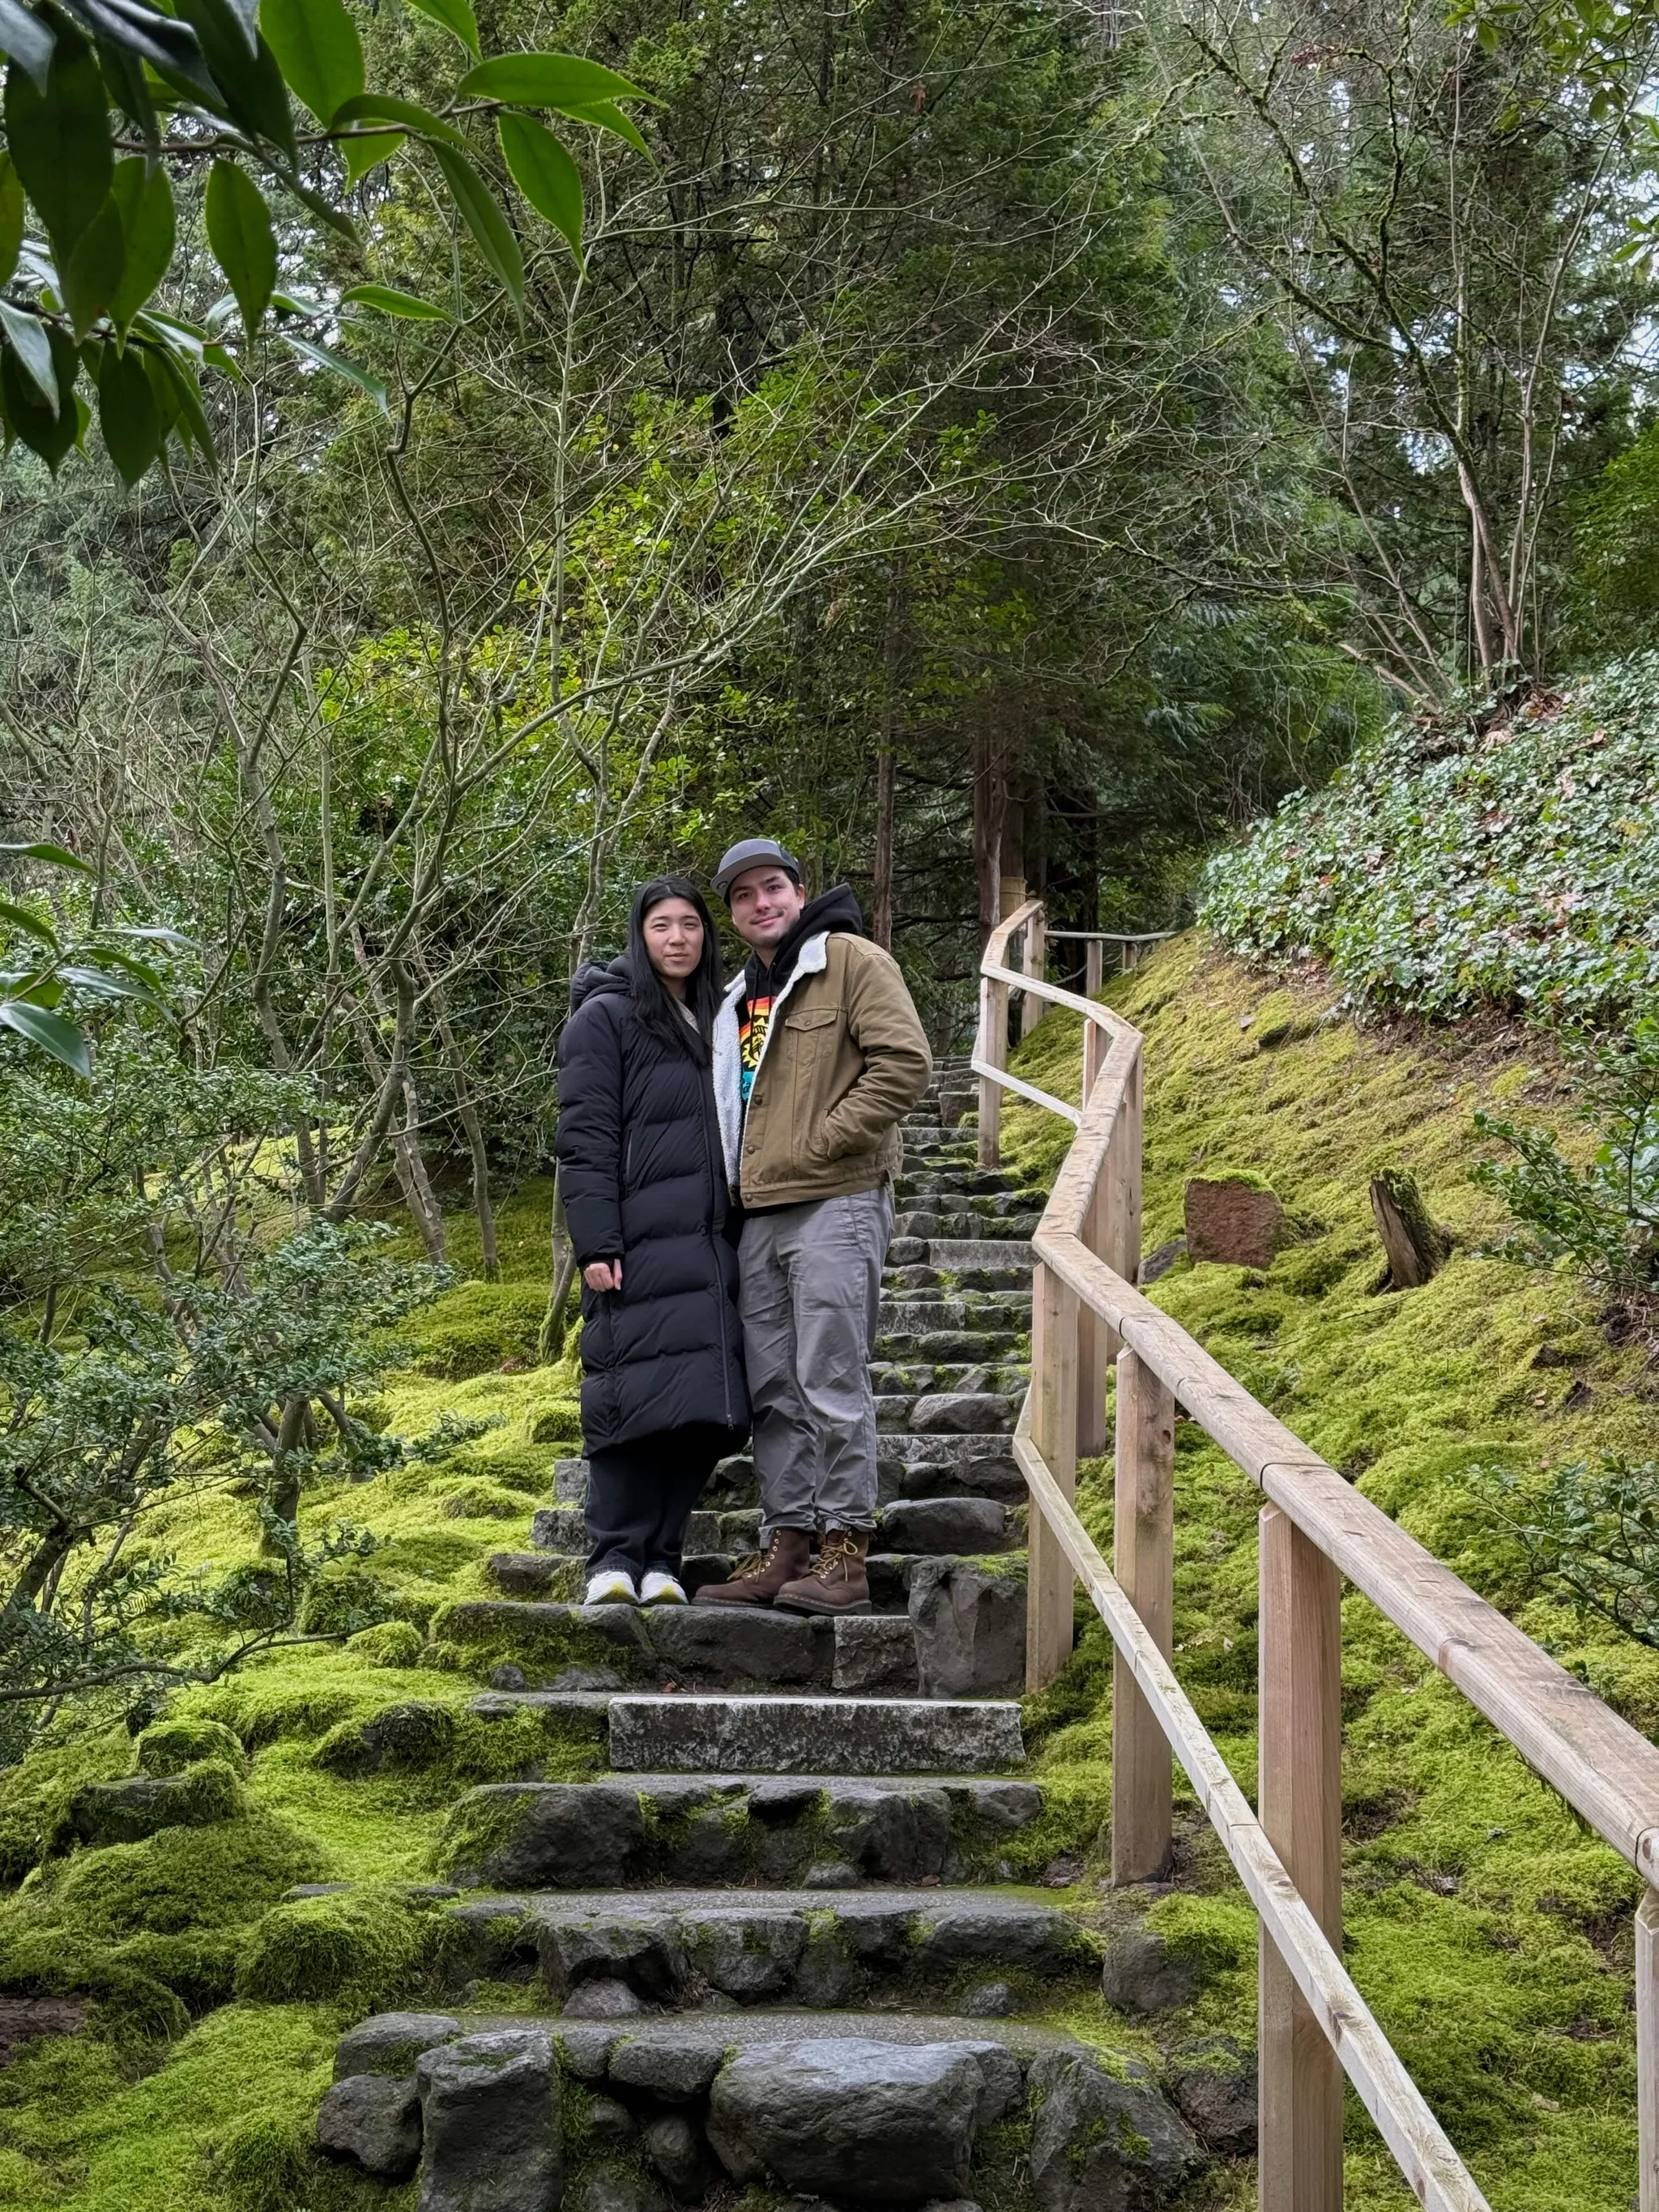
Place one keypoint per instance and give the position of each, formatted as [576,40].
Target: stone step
[945,1412]
[559,1577]
[813,1832]
[980,1467]
[826,1948]
[954,1629]
[921,1312]
[986,1460]
[915,1378]
[967,1525]
[804,1736]
[926,1225]
[879,2108]
[955,1346]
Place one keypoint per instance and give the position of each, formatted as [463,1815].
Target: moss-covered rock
[413,1734]
[346,1597]
[126,1811]
[220,1876]
[388,1644]
[170,1747]
[370,1946]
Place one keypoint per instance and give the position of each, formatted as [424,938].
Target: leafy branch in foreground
[1591,1532]
[106,100]
[1603,1217]
[101,963]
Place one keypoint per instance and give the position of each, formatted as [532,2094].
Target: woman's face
[673,938]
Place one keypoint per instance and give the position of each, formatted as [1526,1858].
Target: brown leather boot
[840,1585]
[758,1581]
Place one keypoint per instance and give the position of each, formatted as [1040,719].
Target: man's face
[766,903]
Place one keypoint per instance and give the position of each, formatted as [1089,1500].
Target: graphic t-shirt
[751,1038]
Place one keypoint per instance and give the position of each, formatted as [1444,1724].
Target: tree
[107,102]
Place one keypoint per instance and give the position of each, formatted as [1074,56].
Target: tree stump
[1414,1245]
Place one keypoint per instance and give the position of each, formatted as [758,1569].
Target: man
[819,1056]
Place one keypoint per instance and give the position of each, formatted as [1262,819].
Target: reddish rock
[1233,1222]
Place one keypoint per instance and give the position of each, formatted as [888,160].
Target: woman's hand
[603,1275]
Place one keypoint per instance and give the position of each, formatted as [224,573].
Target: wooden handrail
[1604,1768]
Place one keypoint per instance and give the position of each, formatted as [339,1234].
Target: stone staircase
[779,1945]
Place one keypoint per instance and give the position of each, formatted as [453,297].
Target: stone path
[778,1945]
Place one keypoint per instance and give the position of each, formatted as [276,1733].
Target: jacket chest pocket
[813,1033]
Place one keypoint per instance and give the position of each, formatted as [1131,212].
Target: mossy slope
[1489,1931]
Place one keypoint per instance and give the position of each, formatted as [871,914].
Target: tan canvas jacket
[844,1061]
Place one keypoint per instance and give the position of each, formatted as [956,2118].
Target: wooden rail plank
[1431,2168]
[989,1072]
[1143,1537]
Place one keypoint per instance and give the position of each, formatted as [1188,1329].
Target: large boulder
[969,1628]
[373,2119]
[866,2123]
[1102,2143]
[127,1811]
[490,2117]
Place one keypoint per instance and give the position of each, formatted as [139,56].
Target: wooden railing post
[1647,2048]
[1097,1341]
[1300,2157]
[1031,1010]
[1094,967]
[994,1049]
[1053,1431]
[1144,1562]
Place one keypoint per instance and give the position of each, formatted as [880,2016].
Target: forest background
[982,444]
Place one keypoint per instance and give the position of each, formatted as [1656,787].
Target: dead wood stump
[1414,1243]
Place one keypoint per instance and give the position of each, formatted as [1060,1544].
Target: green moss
[183,1878]
[35,1795]
[172,1746]
[366,1946]
[346,1597]
[542,1641]
[476,1328]
[389,1643]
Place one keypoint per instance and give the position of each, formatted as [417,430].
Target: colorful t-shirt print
[751,1039]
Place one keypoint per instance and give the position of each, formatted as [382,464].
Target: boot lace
[755,1563]
[839,1556]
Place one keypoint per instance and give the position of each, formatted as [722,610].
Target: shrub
[1604,1217]
[1460,861]
[1592,1533]
[344,1598]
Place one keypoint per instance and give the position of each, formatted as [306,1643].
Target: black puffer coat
[643,1180]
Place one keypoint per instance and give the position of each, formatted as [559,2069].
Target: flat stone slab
[803,1735]
[829,1947]
[815,1831]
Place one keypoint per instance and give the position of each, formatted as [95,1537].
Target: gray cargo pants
[811,1298]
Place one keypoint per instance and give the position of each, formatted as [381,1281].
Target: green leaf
[543,171]
[54,856]
[92,276]
[363,150]
[403,304]
[144,196]
[11,218]
[456,17]
[243,242]
[26,336]
[383,107]
[59,140]
[483,219]
[108,984]
[317,49]
[545,80]
[326,357]
[26,38]
[191,418]
[604,115]
[45,430]
[127,413]
[129,87]
[21,917]
[322,208]
[52,1032]
[245,71]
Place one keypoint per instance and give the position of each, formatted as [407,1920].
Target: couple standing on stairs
[726,1160]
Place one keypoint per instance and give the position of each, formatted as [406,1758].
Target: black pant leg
[622,1509]
[686,1459]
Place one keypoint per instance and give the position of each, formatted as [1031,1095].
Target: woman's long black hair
[654,1002]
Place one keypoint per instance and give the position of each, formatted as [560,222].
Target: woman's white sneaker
[612,1586]
[658,1589]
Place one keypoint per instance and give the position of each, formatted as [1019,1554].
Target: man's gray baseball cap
[752,853]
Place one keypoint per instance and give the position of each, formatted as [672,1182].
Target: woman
[643,1177]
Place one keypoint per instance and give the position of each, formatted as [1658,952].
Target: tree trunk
[1415,1244]
[881,916]
[549,1348]
[990,807]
